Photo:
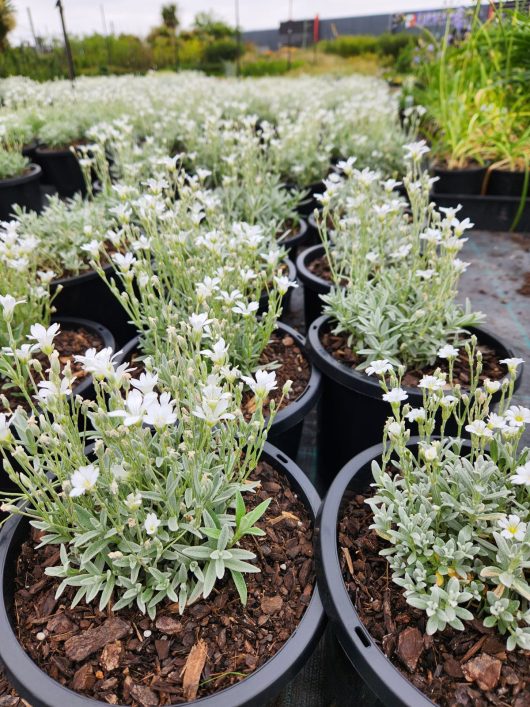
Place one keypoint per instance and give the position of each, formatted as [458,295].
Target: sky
[138,16]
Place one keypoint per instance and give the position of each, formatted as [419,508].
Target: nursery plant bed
[23,190]
[352,413]
[245,655]
[492,213]
[383,636]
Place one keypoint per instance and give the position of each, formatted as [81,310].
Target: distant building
[302,33]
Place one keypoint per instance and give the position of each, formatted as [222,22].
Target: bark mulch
[470,667]
[337,346]
[129,659]
[294,365]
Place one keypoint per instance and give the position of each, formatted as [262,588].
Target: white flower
[124,262]
[512,363]
[459,265]
[430,452]
[379,367]
[101,364]
[496,422]
[159,413]
[432,383]
[134,501]
[431,235]
[522,475]
[151,524]
[513,528]
[146,383]
[448,351]
[415,150]
[207,287]
[416,414]
[425,274]
[119,472]
[48,390]
[517,416]
[92,248]
[44,337]
[83,480]
[134,409]
[264,382]
[246,309]
[394,429]
[5,432]
[199,323]
[9,303]
[491,387]
[479,428]
[396,395]
[213,409]
[448,401]
[283,283]
[218,353]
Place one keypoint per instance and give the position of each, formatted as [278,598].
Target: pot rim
[33,175]
[316,284]
[262,684]
[85,276]
[361,383]
[379,673]
[293,240]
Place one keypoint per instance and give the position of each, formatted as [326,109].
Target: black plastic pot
[40,690]
[298,239]
[313,235]
[352,413]
[23,190]
[369,663]
[313,286]
[286,430]
[309,203]
[503,182]
[87,295]
[29,150]
[459,181]
[286,300]
[490,213]
[61,169]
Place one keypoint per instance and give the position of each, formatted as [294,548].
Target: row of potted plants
[129,570]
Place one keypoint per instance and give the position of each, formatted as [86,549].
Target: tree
[7,21]
[170,17]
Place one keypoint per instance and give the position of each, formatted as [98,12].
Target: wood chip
[84,644]
[144,696]
[110,656]
[84,678]
[284,516]
[271,605]
[192,671]
[474,649]
[347,556]
[484,670]
[410,647]
[168,625]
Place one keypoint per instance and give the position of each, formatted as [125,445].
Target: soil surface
[294,366]
[129,659]
[69,343]
[320,268]
[470,667]
[337,346]
[294,229]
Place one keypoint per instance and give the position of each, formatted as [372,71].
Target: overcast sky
[137,16]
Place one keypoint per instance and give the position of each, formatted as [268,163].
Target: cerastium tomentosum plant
[395,296]
[456,515]
[181,266]
[154,510]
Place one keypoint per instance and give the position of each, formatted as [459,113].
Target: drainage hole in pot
[362,635]
[281,458]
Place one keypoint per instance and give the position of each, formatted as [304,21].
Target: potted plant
[66,233]
[422,550]
[19,183]
[56,154]
[160,531]
[179,267]
[398,306]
